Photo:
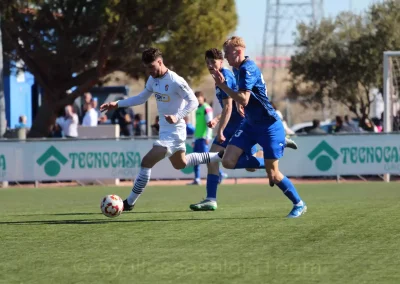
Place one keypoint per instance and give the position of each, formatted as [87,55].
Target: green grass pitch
[350,234]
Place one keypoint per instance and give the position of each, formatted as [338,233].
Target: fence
[105,159]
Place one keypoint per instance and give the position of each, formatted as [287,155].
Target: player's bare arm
[132,101]
[225,116]
[242,97]
[214,121]
[240,108]
[108,106]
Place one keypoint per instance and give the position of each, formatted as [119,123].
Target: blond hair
[235,41]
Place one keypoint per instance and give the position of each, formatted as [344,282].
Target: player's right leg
[287,187]
[272,138]
[156,154]
[210,202]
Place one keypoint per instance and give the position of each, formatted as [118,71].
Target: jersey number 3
[238,133]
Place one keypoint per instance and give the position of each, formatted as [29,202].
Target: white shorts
[173,141]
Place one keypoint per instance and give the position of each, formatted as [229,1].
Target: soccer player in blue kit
[229,121]
[261,125]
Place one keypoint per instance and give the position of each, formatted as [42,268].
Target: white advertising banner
[343,155]
[68,160]
[111,159]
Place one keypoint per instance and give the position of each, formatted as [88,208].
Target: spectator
[316,128]
[139,125]
[78,110]
[349,125]
[155,128]
[124,117]
[339,126]
[21,122]
[87,98]
[377,122]
[367,125]
[56,131]
[95,106]
[102,118]
[396,122]
[189,127]
[69,123]
[202,133]
[91,117]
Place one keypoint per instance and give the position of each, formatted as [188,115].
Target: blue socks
[250,162]
[196,172]
[289,190]
[212,184]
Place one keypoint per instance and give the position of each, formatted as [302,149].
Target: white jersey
[171,91]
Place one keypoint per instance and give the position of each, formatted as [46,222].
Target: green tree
[341,58]
[76,43]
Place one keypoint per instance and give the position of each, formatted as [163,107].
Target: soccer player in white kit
[175,100]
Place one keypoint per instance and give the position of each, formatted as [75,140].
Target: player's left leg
[181,160]
[272,139]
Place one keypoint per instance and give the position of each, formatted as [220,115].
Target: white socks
[194,159]
[140,183]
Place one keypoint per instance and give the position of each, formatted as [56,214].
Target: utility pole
[281,19]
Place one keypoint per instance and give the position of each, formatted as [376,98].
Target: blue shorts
[200,146]
[271,137]
[228,133]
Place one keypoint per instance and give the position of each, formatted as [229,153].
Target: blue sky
[252,18]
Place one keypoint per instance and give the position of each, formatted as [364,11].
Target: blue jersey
[259,109]
[230,80]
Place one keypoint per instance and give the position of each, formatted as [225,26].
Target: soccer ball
[112,205]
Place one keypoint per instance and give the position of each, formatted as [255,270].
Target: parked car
[327,126]
[304,127]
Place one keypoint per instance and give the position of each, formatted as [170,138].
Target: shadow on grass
[99,221]
[98,213]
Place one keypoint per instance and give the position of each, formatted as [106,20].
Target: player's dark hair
[214,53]
[150,55]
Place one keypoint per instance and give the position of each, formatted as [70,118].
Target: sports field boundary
[183,182]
